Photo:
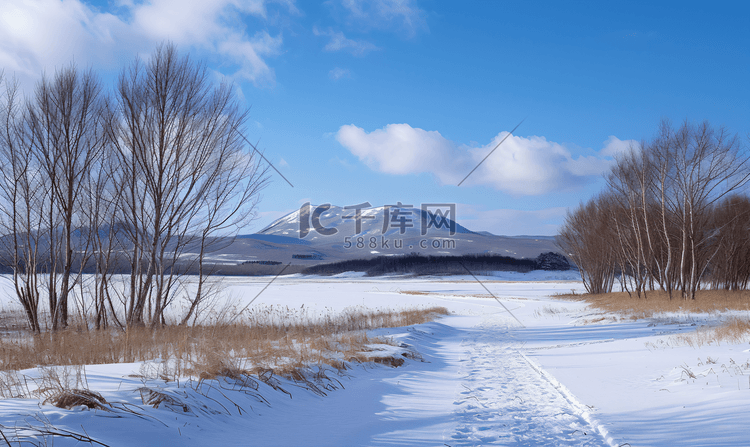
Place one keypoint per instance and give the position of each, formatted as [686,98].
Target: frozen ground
[565,377]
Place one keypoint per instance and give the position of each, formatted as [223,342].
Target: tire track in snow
[504,400]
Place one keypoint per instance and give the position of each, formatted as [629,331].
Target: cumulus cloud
[338,42]
[520,166]
[398,148]
[40,35]
[34,35]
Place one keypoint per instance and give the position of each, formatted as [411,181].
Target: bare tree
[66,139]
[708,164]
[587,238]
[629,181]
[729,267]
[229,204]
[21,189]
[101,211]
[183,171]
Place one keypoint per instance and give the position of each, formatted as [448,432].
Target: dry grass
[706,301]
[266,343]
[277,338]
[734,330]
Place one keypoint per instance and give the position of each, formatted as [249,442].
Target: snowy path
[504,400]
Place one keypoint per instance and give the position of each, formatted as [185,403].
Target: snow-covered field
[563,377]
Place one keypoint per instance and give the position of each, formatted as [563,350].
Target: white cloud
[385,14]
[614,146]
[339,42]
[34,35]
[398,148]
[44,34]
[520,166]
[338,73]
[248,55]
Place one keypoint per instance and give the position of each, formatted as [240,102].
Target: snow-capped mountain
[324,234]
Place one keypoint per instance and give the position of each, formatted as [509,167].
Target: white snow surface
[561,379]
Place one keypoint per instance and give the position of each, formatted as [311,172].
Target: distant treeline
[262,262]
[441,265]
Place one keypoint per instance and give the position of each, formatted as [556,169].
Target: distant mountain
[384,231]
[320,235]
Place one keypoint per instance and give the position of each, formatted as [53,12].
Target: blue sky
[388,101]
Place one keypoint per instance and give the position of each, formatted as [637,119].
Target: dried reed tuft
[158,398]
[70,398]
